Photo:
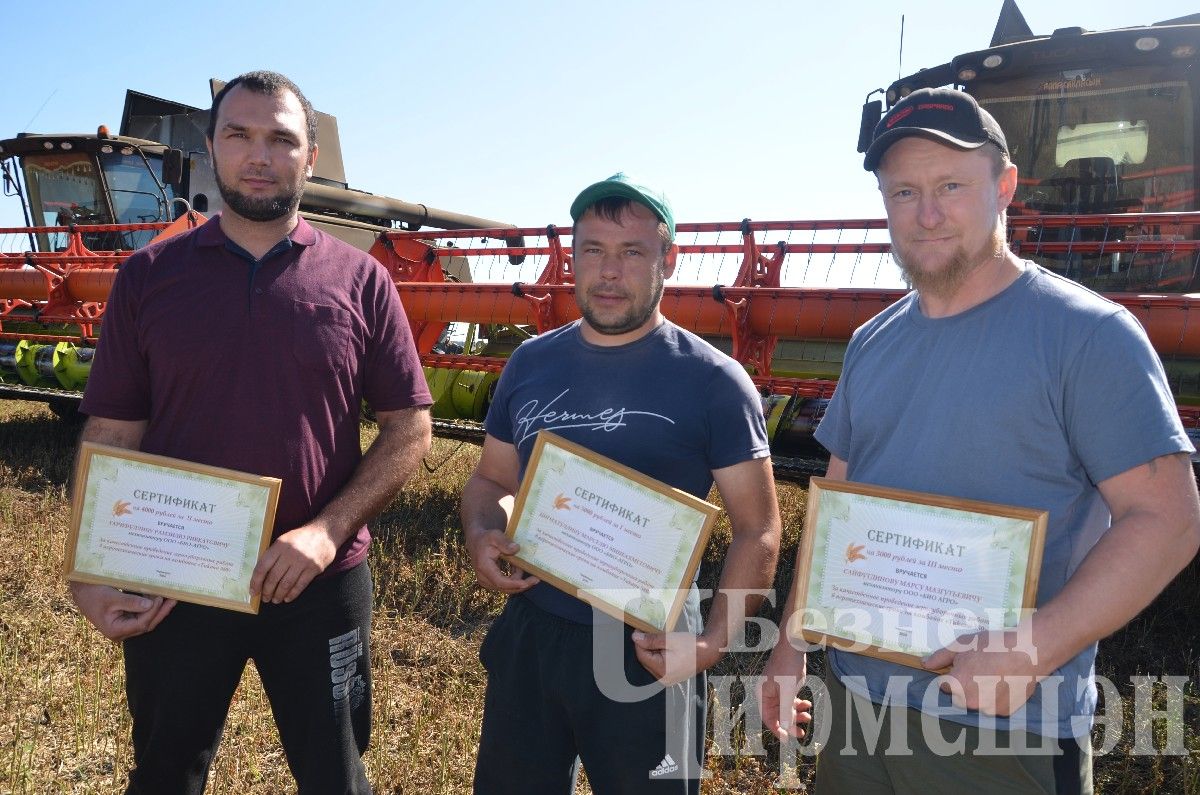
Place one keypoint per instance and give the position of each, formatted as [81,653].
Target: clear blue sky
[505,110]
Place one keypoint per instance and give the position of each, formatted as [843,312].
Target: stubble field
[64,728]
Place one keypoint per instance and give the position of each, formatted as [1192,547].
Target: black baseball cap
[950,116]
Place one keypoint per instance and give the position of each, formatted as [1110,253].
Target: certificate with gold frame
[898,574]
[162,526]
[627,544]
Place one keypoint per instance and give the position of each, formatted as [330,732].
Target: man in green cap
[567,683]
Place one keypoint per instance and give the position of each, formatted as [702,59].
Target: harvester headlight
[66,145]
[1146,43]
[992,61]
[966,74]
[47,145]
[1184,51]
[126,150]
[106,149]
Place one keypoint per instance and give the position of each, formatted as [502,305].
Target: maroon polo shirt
[257,366]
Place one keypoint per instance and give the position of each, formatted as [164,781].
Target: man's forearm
[115,433]
[485,505]
[1155,532]
[749,566]
[1118,579]
[388,463]
[748,491]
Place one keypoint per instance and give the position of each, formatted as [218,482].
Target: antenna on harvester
[900,65]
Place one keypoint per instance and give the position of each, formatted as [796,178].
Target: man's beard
[633,319]
[261,209]
[946,281]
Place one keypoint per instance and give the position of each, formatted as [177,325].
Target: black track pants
[545,710]
[312,658]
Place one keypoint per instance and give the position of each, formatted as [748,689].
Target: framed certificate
[158,525]
[899,574]
[623,542]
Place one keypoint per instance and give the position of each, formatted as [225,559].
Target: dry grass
[64,728]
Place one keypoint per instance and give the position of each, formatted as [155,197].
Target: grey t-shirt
[1029,399]
[668,405]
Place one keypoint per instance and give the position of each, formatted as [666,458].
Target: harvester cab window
[1120,141]
[1097,141]
[64,189]
[1102,141]
[136,195]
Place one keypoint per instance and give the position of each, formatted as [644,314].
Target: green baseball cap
[619,185]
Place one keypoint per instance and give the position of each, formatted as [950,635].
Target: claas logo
[121,507]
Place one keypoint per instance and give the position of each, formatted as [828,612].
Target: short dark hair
[612,208]
[269,84]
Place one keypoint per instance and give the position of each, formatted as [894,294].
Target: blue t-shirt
[1030,399]
[668,405]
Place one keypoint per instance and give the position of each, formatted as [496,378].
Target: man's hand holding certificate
[161,526]
[607,534]
[898,574]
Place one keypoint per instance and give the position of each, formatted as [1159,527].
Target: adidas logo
[667,765]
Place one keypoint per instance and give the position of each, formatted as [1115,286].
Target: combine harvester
[1103,127]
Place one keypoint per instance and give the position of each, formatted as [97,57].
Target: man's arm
[748,492]
[299,555]
[116,614]
[487,503]
[1155,532]
[787,666]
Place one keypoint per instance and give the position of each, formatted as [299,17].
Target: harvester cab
[76,180]
[1099,124]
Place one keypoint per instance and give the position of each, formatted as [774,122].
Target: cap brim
[881,144]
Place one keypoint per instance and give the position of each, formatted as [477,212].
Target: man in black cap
[994,380]
[565,682]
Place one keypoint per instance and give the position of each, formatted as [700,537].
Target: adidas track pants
[544,712]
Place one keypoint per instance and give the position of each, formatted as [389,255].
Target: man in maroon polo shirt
[250,343]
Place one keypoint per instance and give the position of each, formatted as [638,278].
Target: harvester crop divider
[558,271]
[559,267]
[63,307]
[758,269]
[544,318]
[8,305]
[409,260]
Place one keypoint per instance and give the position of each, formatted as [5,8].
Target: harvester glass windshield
[136,195]
[64,189]
[1097,142]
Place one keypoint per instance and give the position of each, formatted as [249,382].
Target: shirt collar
[211,234]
